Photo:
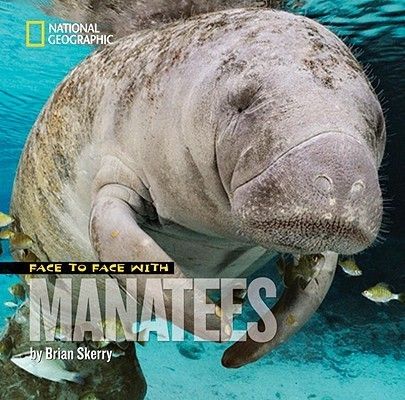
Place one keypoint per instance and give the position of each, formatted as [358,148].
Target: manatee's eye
[244,97]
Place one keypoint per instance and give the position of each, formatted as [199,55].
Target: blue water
[351,349]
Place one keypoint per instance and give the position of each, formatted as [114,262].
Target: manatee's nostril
[357,187]
[323,183]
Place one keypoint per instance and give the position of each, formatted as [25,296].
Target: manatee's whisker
[258,107]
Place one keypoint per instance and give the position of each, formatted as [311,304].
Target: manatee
[216,142]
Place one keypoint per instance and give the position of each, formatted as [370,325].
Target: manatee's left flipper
[116,236]
[292,311]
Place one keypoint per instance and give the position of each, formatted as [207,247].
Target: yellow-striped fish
[53,370]
[350,267]
[5,220]
[381,293]
[17,290]
[6,234]
[21,241]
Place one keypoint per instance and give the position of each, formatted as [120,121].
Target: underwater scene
[352,348]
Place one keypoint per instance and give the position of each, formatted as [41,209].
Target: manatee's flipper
[292,311]
[116,236]
[120,379]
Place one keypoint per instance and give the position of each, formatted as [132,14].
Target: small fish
[59,335]
[19,318]
[350,267]
[5,220]
[53,370]
[6,234]
[89,396]
[6,348]
[100,344]
[306,269]
[11,304]
[118,332]
[381,293]
[17,291]
[21,241]
[190,349]
[144,331]
[291,320]
[118,353]
[239,296]
[29,256]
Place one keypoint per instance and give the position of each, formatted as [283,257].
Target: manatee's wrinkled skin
[215,142]
[179,98]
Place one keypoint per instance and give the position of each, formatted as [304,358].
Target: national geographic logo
[35,33]
[39,33]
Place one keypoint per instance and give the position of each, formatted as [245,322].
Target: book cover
[202,199]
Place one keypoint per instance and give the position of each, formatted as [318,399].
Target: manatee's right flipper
[297,304]
[116,236]
[121,379]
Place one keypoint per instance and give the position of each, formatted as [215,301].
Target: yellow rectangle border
[28,25]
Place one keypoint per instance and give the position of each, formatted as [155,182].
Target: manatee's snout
[322,194]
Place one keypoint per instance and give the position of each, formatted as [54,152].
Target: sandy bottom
[322,375]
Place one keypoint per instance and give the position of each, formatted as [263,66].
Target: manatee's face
[301,144]
[322,194]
